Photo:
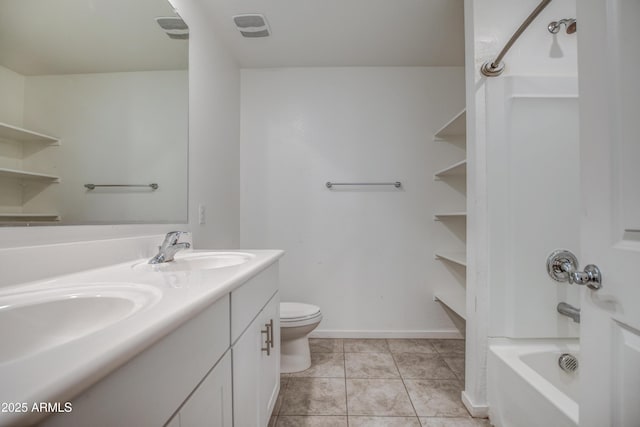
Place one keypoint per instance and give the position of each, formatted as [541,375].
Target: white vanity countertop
[60,373]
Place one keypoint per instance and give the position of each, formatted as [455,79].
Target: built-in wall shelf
[28,217]
[15,133]
[21,174]
[454,128]
[454,257]
[455,298]
[449,215]
[458,168]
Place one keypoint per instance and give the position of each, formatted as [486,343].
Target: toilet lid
[297,310]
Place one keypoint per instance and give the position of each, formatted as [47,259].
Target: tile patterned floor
[377,383]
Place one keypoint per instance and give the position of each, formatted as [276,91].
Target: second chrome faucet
[169,247]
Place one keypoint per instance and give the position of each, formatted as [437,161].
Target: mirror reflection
[92,92]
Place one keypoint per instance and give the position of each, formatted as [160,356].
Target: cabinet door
[270,364]
[210,403]
[255,373]
[246,375]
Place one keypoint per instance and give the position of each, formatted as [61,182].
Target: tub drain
[568,362]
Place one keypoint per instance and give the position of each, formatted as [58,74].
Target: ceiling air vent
[174,26]
[252,25]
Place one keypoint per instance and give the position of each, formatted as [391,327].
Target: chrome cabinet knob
[562,266]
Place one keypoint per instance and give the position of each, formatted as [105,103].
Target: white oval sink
[38,320]
[197,260]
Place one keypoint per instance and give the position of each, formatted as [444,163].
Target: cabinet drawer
[250,298]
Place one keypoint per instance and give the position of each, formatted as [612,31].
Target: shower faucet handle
[562,266]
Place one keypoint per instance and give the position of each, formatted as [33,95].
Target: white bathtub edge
[510,355]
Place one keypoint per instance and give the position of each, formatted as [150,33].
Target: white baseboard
[476,411]
[441,334]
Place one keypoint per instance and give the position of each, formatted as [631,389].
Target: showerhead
[569,23]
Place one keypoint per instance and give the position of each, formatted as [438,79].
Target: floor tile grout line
[456,378]
[440,359]
[405,386]
[346,397]
[286,384]
[454,371]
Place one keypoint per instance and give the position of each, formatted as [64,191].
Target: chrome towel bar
[396,184]
[153,186]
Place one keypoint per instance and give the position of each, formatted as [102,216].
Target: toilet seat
[298,314]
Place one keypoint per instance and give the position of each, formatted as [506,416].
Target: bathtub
[527,388]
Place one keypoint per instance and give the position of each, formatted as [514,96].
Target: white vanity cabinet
[210,371]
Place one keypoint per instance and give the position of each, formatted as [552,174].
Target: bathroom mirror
[93,92]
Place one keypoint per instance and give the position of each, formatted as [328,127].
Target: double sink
[40,318]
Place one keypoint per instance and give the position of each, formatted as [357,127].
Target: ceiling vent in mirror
[252,25]
[174,26]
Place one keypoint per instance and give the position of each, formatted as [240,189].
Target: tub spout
[569,311]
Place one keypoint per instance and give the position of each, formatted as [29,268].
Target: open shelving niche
[20,135]
[452,295]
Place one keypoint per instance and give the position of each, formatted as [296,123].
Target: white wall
[364,255]
[214,132]
[115,128]
[488,25]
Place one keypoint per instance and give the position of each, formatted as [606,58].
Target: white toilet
[297,320]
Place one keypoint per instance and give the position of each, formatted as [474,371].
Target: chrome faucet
[169,247]
[569,311]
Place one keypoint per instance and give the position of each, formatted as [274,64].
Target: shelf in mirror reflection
[449,215]
[29,217]
[22,174]
[15,133]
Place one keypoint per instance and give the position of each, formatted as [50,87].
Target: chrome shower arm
[569,23]
[495,67]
